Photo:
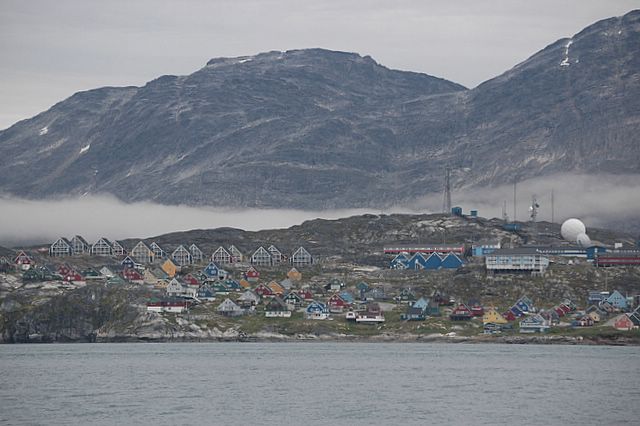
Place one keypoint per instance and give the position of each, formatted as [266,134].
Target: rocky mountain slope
[321,129]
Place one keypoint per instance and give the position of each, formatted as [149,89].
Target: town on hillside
[228,286]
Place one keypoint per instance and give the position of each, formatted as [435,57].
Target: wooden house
[23,261]
[261,257]
[337,304]
[252,274]
[407,296]
[534,324]
[150,276]
[317,311]
[129,262]
[276,288]
[287,284]
[219,288]
[476,308]
[61,247]
[401,261]
[221,256]
[118,249]
[509,315]
[212,271]
[334,284]
[583,321]
[493,316]
[525,305]
[229,308]
[169,268]
[263,291]
[232,284]
[362,287]
[107,272]
[595,316]
[623,322]
[372,315]
[276,307]
[75,277]
[132,276]
[236,255]
[248,299]
[206,293]
[301,257]
[347,297]
[246,285]
[181,256]
[306,294]
[375,293]
[293,299]
[79,246]
[174,288]
[276,255]
[294,274]
[158,252]
[142,253]
[116,280]
[451,261]
[617,300]
[413,314]
[196,254]
[418,261]
[191,280]
[102,247]
[461,313]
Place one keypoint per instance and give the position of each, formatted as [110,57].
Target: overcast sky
[52,49]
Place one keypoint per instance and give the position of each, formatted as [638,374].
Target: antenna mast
[505,216]
[553,212]
[446,205]
[515,216]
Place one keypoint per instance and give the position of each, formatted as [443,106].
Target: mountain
[319,129]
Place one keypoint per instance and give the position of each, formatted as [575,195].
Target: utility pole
[515,216]
[553,212]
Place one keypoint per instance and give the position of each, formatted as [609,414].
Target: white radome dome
[583,240]
[571,228]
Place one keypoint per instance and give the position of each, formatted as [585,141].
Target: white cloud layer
[600,201]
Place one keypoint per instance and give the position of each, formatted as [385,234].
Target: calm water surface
[318,383]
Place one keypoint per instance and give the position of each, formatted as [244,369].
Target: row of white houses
[181,256]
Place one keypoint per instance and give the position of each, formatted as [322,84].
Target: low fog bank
[600,201]
[25,222]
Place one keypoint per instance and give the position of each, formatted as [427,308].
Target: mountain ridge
[289,129]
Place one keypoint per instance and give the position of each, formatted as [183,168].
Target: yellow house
[595,316]
[294,274]
[493,316]
[245,284]
[149,277]
[169,268]
[161,284]
[276,288]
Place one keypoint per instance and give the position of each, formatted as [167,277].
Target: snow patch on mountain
[85,148]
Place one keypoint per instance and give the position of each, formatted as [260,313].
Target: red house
[623,322]
[191,280]
[263,291]
[477,310]
[461,313]
[337,303]
[509,316]
[73,276]
[132,275]
[63,270]
[23,260]
[252,274]
[306,294]
[565,308]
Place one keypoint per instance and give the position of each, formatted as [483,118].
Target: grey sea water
[318,383]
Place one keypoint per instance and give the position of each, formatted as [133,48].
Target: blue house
[516,311]
[421,304]
[451,261]
[206,293]
[211,270]
[534,324]
[317,310]
[416,262]
[128,262]
[347,297]
[524,304]
[617,300]
[232,284]
[433,262]
[399,262]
